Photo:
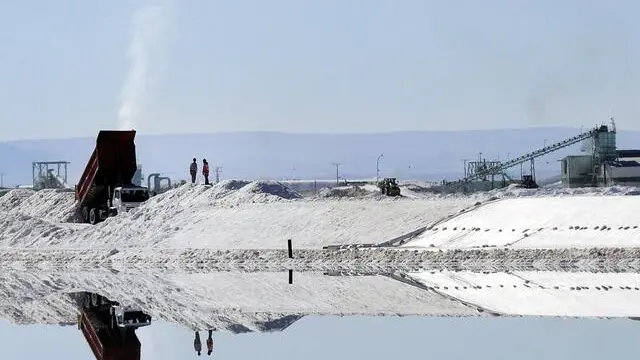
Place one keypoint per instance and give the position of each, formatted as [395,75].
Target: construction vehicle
[106,186]
[528,182]
[389,187]
[109,329]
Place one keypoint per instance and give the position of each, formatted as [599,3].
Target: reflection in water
[108,327]
[210,343]
[197,343]
[206,304]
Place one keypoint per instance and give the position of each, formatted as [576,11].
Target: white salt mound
[264,192]
[221,190]
[348,192]
[242,214]
[12,199]
[50,204]
[18,229]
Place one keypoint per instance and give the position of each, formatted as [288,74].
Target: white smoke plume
[149,23]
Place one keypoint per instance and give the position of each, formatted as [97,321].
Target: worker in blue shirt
[193,170]
[197,344]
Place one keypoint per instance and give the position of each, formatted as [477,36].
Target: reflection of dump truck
[389,187]
[109,329]
[105,187]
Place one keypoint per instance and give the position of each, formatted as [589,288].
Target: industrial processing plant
[602,165]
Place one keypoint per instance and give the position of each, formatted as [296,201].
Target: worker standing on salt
[193,170]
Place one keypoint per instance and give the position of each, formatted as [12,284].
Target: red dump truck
[109,330]
[105,187]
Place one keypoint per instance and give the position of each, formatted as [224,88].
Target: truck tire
[93,216]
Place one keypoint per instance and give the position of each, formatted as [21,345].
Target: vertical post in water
[290,248]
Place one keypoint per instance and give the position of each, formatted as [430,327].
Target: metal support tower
[532,169]
[49,174]
[481,167]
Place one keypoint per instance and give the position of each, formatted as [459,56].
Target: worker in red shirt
[205,171]
[210,343]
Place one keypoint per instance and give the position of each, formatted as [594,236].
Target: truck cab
[127,198]
[121,200]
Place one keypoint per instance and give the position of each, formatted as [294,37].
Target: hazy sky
[314,66]
[379,338]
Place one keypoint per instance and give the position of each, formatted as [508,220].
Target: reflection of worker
[197,344]
[193,169]
[205,171]
[210,343]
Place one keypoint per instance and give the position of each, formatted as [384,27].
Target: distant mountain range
[268,155]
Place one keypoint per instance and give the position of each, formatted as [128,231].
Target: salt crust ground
[541,222]
[372,260]
[232,214]
[239,214]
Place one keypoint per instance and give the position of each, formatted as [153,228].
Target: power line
[337,165]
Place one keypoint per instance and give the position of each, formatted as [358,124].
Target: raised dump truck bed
[109,343]
[112,164]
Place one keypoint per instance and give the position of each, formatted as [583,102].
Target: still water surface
[264,319]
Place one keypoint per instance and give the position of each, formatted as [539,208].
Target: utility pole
[2,180]
[218,171]
[378,168]
[337,165]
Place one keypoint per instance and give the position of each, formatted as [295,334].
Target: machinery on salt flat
[106,187]
[389,187]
